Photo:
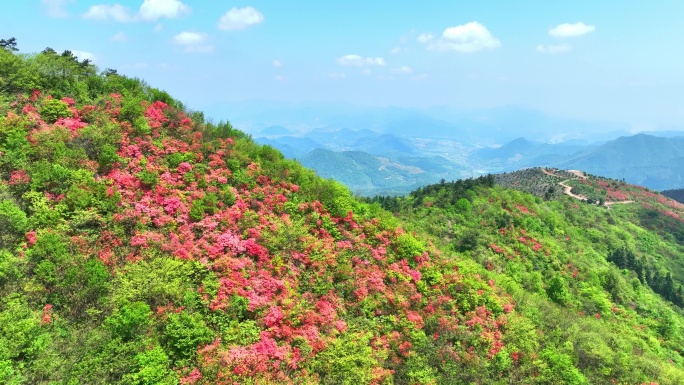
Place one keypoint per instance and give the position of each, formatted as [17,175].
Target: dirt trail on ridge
[567,190]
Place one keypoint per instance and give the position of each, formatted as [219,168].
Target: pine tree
[9,44]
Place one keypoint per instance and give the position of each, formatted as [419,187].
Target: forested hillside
[141,244]
[597,287]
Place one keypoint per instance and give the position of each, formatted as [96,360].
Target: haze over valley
[404,148]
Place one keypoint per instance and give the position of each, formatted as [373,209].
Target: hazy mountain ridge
[477,142]
[676,194]
[368,174]
[497,125]
[643,159]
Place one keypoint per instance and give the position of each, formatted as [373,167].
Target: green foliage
[557,290]
[463,205]
[9,268]
[53,109]
[197,210]
[348,360]
[184,333]
[15,75]
[20,333]
[552,257]
[99,141]
[157,282]
[130,320]
[14,222]
[559,368]
[468,241]
[15,147]
[151,367]
[408,247]
[241,333]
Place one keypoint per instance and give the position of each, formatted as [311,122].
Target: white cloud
[193,42]
[402,70]
[366,72]
[158,27]
[189,38]
[336,75]
[571,30]
[280,78]
[55,8]
[469,37]
[395,50]
[116,12]
[83,55]
[277,63]
[151,10]
[375,61]
[554,48]
[119,37]
[358,61]
[240,18]
[425,37]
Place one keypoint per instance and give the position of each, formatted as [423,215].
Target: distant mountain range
[646,160]
[677,194]
[521,153]
[393,164]
[480,126]
[398,149]
[367,174]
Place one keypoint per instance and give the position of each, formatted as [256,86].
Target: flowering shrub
[302,277]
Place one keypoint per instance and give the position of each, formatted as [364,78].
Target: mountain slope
[521,153]
[291,146]
[596,285]
[367,174]
[140,244]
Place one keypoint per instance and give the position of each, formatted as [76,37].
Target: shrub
[54,109]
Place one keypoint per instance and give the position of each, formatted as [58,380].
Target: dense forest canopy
[141,244]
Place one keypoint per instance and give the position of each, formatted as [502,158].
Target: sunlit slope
[598,287]
[141,244]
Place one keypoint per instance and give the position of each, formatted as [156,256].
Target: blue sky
[609,60]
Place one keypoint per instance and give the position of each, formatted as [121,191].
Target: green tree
[9,44]
[557,290]
[128,321]
[347,360]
